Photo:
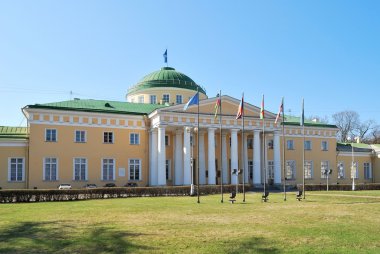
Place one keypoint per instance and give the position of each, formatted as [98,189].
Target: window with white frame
[341,174]
[80,169]
[153,99]
[178,99]
[270,144]
[167,169]
[250,169]
[108,137]
[290,144]
[290,170]
[16,169]
[367,170]
[165,98]
[134,138]
[80,136]
[307,145]
[324,167]
[134,169]
[50,169]
[250,143]
[354,170]
[140,99]
[309,169]
[324,146]
[108,169]
[51,135]
[167,140]
[270,170]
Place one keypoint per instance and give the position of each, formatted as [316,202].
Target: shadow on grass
[253,245]
[56,237]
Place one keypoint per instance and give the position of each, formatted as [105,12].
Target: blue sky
[327,52]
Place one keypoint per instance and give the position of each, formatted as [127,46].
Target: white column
[161,167]
[186,156]
[256,158]
[201,160]
[224,159]
[153,169]
[245,172]
[178,162]
[277,158]
[234,154]
[211,156]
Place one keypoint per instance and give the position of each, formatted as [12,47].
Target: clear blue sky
[325,51]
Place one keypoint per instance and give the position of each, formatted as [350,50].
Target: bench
[232,197]
[264,197]
[299,195]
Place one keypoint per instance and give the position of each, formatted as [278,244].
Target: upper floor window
[290,144]
[153,99]
[307,145]
[165,98]
[108,137]
[178,99]
[167,140]
[249,143]
[80,136]
[141,99]
[270,144]
[51,135]
[324,145]
[134,138]
[16,169]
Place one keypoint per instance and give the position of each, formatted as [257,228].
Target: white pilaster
[234,154]
[186,156]
[224,159]
[211,156]
[178,162]
[153,162]
[161,167]
[256,158]
[277,158]
[202,161]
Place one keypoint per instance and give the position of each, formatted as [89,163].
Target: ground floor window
[290,170]
[341,174]
[367,170]
[50,169]
[80,169]
[167,169]
[16,169]
[354,170]
[250,169]
[270,170]
[324,167]
[134,169]
[308,169]
[108,169]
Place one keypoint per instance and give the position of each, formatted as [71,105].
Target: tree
[347,122]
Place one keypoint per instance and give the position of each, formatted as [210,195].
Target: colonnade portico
[183,155]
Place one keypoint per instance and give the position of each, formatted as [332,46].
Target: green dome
[166,77]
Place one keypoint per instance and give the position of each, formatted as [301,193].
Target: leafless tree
[346,121]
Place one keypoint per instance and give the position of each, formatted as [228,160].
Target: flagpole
[283,147]
[264,161]
[303,150]
[242,150]
[198,149]
[221,146]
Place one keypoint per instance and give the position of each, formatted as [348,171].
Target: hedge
[339,187]
[45,195]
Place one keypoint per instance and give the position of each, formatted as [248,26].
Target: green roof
[166,77]
[101,106]
[294,121]
[358,147]
[8,132]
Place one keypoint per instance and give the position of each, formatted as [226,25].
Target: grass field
[326,222]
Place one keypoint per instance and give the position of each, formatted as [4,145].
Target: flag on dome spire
[166,56]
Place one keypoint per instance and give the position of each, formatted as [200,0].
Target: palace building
[151,140]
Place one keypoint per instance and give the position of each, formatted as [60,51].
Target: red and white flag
[240,112]
[281,109]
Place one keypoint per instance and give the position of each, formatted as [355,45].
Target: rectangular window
[80,169]
[108,137]
[309,169]
[140,99]
[165,98]
[290,170]
[15,169]
[153,99]
[51,135]
[166,140]
[80,136]
[108,169]
[191,140]
[178,99]
[270,144]
[324,146]
[354,170]
[167,169]
[50,169]
[367,170]
[290,144]
[134,139]
[250,143]
[324,169]
[307,145]
[270,170]
[134,169]
[341,174]
[250,169]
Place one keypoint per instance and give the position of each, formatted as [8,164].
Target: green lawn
[332,222]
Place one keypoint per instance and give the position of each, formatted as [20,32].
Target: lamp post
[353,166]
[327,173]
